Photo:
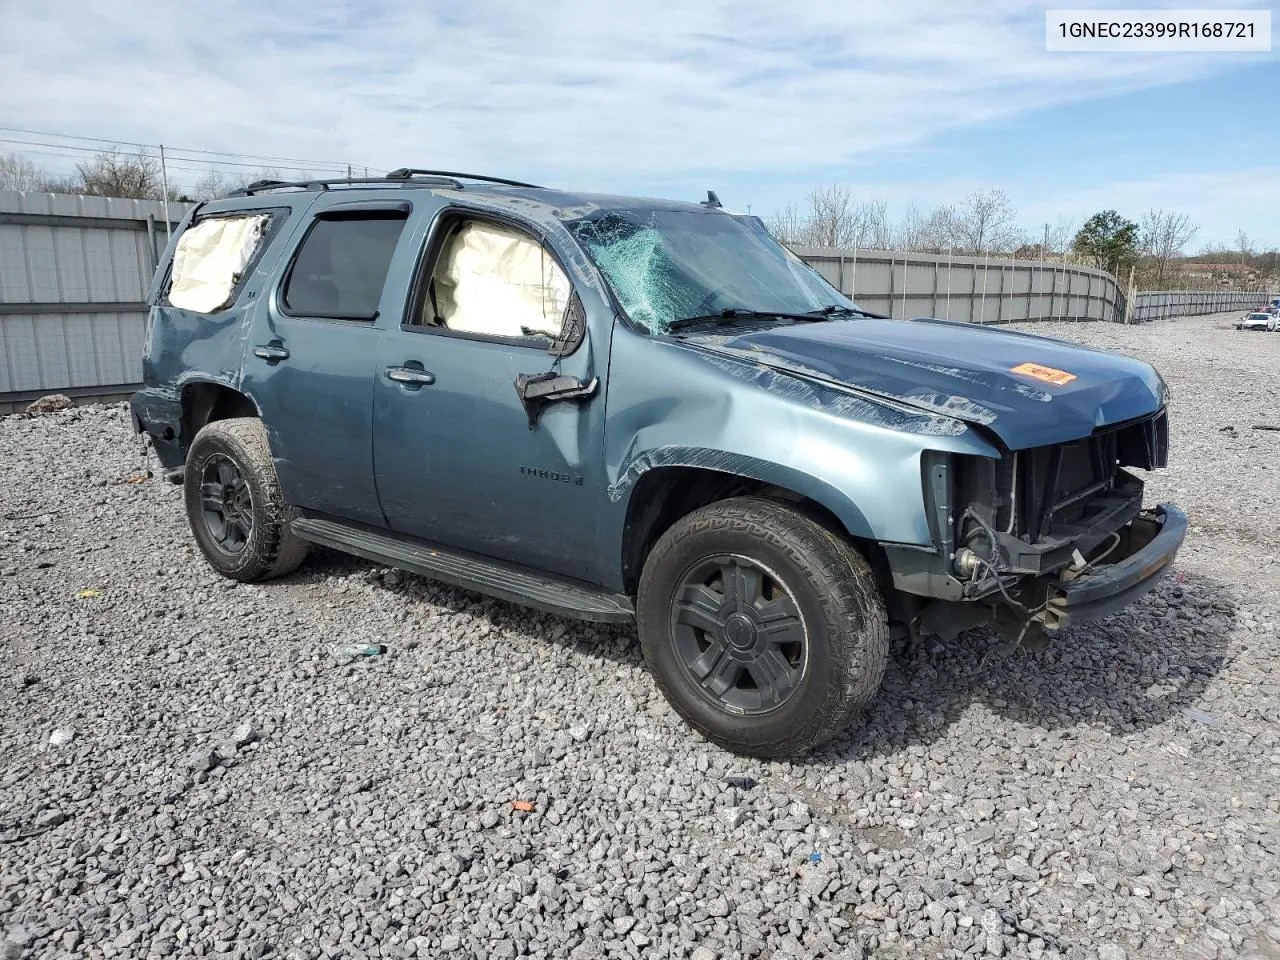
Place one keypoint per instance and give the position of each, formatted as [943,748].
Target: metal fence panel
[1176,303]
[74,273]
[970,289]
[984,290]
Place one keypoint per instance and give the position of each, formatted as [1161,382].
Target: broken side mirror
[539,389]
[572,332]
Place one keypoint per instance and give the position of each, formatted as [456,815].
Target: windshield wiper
[834,310]
[730,314]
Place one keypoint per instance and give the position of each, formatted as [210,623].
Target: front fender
[858,457]
[735,464]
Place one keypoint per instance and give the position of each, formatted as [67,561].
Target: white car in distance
[1257,321]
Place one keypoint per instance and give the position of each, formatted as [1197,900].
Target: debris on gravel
[49,404]
[194,773]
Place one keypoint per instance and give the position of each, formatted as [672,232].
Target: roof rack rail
[404,173]
[405,177]
[262,186]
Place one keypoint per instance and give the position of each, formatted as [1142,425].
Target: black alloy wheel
[739,633]
[235,505]
[226,504]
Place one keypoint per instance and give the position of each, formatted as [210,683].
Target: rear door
[312,352]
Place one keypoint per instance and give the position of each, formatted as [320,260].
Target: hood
[1026,389]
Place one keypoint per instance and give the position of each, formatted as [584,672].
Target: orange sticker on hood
[1047,374]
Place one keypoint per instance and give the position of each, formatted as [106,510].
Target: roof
[537,202]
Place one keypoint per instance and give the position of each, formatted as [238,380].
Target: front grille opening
[1055,493]
[1060,484]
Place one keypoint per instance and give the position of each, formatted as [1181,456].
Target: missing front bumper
[1147,548]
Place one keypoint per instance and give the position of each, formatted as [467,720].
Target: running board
[567,598]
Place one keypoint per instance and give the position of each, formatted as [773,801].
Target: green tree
[1109,240]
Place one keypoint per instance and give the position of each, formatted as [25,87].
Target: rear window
[341,267]
[211,259]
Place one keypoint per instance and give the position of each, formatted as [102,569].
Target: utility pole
[164,183]
[348,171]
[1128,303]
[1044,251]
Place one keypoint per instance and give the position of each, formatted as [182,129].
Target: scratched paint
[700,457]
[792,380]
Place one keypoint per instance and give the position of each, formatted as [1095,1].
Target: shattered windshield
[667,265]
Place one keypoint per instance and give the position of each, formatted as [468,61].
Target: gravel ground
[188,768]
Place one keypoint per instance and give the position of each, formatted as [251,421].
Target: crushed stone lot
[190,767]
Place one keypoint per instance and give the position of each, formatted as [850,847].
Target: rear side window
[341,267]
[211,259]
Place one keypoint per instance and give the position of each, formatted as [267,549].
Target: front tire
[763,629]
[234,504]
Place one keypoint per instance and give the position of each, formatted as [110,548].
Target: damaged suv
[629,410]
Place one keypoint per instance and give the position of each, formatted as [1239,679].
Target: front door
[455,457]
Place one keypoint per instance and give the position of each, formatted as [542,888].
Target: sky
[907,102]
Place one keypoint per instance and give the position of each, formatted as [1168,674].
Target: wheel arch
[203,401]
[665,485]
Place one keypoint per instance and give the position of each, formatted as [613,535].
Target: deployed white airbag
[496,281]
[209,259]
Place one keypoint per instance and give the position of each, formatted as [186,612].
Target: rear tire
[234,505]
[764,630]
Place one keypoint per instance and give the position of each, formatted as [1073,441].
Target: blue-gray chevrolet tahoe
[644,411]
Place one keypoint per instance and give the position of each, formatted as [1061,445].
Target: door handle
[411,376]
[272,352]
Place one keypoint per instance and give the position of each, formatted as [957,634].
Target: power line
[152,146]
[194,164]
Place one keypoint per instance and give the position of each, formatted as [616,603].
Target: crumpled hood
[961,370]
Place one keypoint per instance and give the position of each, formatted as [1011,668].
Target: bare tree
[869,225]
[831,217]
[911,233]
[1245,248]
[215,183]
[114,174]
[18,173]
[1059,236]
[212,185]
[789,227]
[932,232]
[1163,235]
[940,232]
[986,223]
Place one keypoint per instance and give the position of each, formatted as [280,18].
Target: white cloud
[582,94]
[598,96]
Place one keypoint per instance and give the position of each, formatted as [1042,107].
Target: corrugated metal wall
[1183,303]
[977,290]
[74,272]
[969,289]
